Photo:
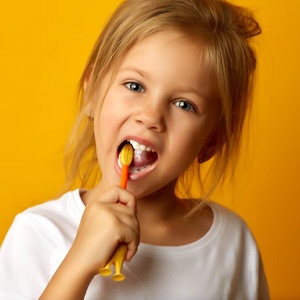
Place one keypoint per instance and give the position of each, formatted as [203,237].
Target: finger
[118,194]
[131,250]
[132,246]
[127,198]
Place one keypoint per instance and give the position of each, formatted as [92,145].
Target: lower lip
[144,172]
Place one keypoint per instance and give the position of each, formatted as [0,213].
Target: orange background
[43,49]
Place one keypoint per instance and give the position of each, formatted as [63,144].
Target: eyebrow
[136,70]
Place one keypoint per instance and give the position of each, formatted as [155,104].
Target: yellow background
[43,49]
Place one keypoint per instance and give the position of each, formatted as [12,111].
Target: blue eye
[134,87]
[184,105]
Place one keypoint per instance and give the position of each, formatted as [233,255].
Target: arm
[68,282]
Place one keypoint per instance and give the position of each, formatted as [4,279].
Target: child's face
[162,98]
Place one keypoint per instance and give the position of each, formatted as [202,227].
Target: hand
[104,224]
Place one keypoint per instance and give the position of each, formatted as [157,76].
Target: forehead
[170,53]
[167,42]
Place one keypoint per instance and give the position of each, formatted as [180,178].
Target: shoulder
[67,202]
[230,231]
[35,244]
[235,241]
[51,217]
[228,219]
[58,212]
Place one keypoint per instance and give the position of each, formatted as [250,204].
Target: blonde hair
[226,30]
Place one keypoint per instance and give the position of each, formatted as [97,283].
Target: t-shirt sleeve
[254,269]
[255,282]
[241,258]
[26,256]
[263,289]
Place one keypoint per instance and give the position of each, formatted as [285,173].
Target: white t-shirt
[224,264]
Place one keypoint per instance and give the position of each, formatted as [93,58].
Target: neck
[161,205]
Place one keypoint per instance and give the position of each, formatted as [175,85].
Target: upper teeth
[138,146]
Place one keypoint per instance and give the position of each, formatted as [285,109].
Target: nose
[152,116]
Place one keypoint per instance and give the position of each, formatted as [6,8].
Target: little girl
[173,78]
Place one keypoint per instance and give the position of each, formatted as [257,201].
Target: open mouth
[144,157]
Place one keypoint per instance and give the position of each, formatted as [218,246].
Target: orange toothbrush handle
[124,176]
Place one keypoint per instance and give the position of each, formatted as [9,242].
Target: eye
[134,87]
[185,105]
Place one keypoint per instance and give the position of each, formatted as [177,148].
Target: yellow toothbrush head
[126,154]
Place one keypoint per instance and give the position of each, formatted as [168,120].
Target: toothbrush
[126,156]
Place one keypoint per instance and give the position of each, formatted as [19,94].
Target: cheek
[192,140]
[192,134]
[193,147]
[112,106]
[106,115]
[103,129]
[106,121]
[184,149]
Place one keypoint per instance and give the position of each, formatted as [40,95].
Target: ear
[206,153]
[209,150]
[87,76]
[89,105]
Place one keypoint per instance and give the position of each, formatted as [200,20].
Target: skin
[161,96]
